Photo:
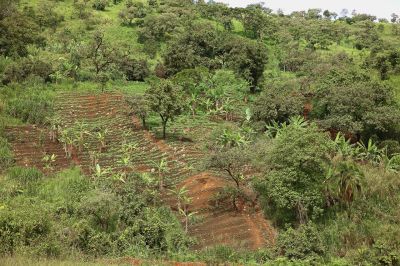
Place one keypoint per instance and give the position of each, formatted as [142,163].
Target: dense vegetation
[308,116]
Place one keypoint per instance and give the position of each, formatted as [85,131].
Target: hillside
[169,131]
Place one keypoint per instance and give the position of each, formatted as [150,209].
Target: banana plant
[162,169]
[391,164]
[208,104]
[81,131]
[344,148]
[179,194]
[126,161]
[228,138]
[298,122]
[274,129]
[184,209]
[370,152]
[248,132]
[68,142]
[101,138]
[119,177]
[100,172]
[41,138]
[346,180]
[192,103]
[49,161]
[228,108]
[129,147]
[248,115]
[94,158]
[55,124]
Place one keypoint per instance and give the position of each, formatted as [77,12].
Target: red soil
[240,229]
[30,144]
[245,229]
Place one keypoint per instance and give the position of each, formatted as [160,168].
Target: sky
[381,8]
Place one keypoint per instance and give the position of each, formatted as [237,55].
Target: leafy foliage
[304,242]
[166,99]
[298,160]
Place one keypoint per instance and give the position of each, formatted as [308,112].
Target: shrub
[278,104]
[22,227]
[27,68]
[102,210]
[297,160]
[100,5]
[301,243]
[229,197]
[381,253]
[392,146]
[135,70]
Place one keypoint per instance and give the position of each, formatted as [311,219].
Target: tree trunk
[164,128]
[144,122]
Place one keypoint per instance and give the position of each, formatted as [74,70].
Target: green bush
[301,243]
[102,210]
[25,226]
[135,70]
[381,253]
[392,146]
[297,160]
[100,5]
[27,68]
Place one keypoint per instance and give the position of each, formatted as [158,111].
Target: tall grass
[6,155]
[31,106]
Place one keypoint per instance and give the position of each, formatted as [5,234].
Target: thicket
[68,215]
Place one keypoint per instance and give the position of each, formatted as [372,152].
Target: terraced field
[245,229]
[31,144]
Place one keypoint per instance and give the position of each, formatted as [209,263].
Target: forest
[180,132]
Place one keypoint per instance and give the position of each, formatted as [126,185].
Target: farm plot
[97,133]
[115,142]
[32,147]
